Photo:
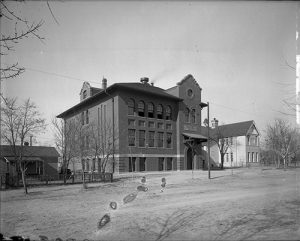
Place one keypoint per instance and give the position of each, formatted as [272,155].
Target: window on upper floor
[131,137]
[82,118]
[187,115]
[141,108]
[169,140]
[168,113]
[131,105]
[151,138]
[193,116]
[150,110]
[159,112]
[160,139]
[84,94]
[87,117]
[142,137]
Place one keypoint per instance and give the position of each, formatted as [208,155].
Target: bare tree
[223,143]
[20,30]
[65,141]
[283,139]
[18,122]
[102,139]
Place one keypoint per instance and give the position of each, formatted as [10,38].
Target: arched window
[159,112]
[141,108]
[131,107]
[168,113]
[150,110]
[193,116]
[187,115]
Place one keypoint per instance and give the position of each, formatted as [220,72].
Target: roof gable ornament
[188,77]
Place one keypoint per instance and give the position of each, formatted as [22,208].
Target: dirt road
[250,204]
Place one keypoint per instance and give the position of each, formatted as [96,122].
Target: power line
[60,75]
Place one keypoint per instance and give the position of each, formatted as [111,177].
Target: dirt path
[251,204]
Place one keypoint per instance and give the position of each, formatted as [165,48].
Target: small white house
[241,142]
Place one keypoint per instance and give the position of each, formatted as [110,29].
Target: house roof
[234,129]
[229,130]
[143,88]
[95,90]
[32,151]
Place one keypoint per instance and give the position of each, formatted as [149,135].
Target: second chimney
[214,123]
[104,83]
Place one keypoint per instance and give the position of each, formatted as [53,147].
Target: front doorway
[189,159]
[142,164]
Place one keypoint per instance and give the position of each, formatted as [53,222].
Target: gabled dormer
[87,91]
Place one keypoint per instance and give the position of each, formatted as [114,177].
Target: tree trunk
[65,177]
[83,181]
[222,162]
[24,181]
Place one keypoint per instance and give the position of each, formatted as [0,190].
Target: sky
[236,50]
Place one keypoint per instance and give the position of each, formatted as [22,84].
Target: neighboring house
[153,128]
[39,160]
[242,140]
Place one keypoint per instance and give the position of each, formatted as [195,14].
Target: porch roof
[195,136]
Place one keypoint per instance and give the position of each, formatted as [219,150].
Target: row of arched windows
[160,111]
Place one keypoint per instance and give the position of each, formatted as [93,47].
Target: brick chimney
[145,80]
[104,83]
[214,123]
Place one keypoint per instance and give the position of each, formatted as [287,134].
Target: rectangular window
[82,118]
[87,117]
[249,156]
[131,122]
[257,157]
[227,158]
[169,126]
[151,124]
[252,157]
[160,139]
[169,140]
[231,155]
[151,139]
[142,138]
[131,137]
[160,125]
[142,123]
[169,163]
[161,163]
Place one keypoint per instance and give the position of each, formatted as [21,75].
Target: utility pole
[206,123]
[208,142]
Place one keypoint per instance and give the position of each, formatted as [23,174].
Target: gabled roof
[235,129]
[143,88]
[32,151]
[229,130]
[189,76]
